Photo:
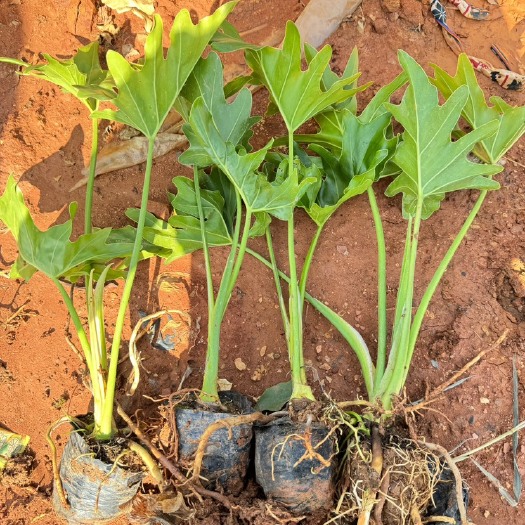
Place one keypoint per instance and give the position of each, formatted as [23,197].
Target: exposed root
[142,328]
[369,496]
[228,423]
[457,476]
[54,462]
[396,491]
[169,466]
[381,500]
[415,516]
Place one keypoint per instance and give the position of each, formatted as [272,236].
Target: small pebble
[343,250]
[240,364]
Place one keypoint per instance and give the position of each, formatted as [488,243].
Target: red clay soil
[44,143]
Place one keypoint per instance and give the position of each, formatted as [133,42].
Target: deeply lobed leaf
[431,163]
[181,233]
[51,251]
[511,120]
[365,149]
[81,76]
[233,119]
[147,94]
[298,94]
[215,129]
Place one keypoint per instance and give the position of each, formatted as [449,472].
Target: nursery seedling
[209,211]
[143,97]
[299,96]
[425,179]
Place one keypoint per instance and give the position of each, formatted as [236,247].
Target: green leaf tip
[511,120]
[51,251]
[146,95]
[81,76]
[431,163]
[298,94]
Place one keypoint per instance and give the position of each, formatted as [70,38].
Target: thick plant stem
[209,389]
[240,254]
[277,279]
[400,364]
[84,342]
[438,275]
[222,296]
[307,263]
[211,371]
[106,425]
[96,388]
[88,227]
[381,287]
[204,238]
[300,388]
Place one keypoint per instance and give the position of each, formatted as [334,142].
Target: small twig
[226,423]
[457,476]
[439,519]
[283,521]
[54,462]
[167,464]
[253,30]
[515,162]
[441,388]
[15,315]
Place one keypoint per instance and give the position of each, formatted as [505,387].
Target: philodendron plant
[143,95]
[431,160]
[209,210]
[299,96]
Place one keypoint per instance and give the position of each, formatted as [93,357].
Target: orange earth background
[44,142]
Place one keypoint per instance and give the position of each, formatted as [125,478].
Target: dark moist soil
[44,143]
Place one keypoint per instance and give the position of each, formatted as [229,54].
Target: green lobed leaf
[146,95]
[228,40]
[233,120]
[275,397]
[80,76]
[181,234]
[331,123]
[362,148]
[209,132]
[297,93]
[431,163]
[511,120]
[330,78]
[51,251]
